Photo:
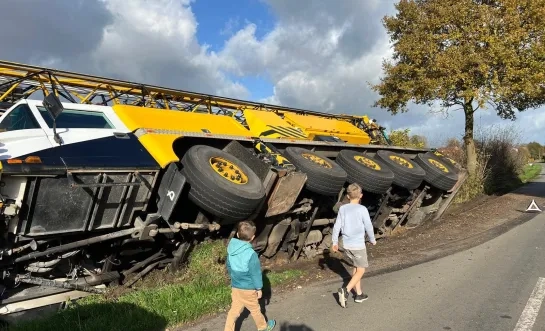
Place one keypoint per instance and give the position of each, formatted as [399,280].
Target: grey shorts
[358,258]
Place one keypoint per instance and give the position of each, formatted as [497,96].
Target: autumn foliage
[403,138]
[465,55]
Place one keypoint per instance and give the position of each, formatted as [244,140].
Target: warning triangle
[533,206]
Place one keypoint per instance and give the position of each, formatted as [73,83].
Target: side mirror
[54,107]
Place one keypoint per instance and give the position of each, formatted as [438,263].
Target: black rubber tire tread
[320,180]
[435,176]
[409,178]
[371,180]
[213,193]
[447,160]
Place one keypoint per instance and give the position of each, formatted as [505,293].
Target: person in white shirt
[353,222]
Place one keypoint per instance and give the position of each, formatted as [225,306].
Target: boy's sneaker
[270,325]
[343,295]
[360,298]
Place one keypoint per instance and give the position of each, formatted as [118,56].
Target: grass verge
[201,289]
[530,172]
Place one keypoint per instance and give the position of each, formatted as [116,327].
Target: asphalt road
[496,286]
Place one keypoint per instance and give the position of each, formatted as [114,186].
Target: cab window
[19,118]
[77,119]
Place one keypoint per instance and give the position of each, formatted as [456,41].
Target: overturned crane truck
[103,180]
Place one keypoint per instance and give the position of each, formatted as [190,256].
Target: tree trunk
[471,153]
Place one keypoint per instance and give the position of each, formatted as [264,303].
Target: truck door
[20,133]
[75,125]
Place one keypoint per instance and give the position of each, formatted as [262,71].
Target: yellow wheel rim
[367,162]
[318,160]
[228,170]
[438,165]
[442,155]
[401,161]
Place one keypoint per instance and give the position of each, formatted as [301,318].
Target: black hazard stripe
[283,131]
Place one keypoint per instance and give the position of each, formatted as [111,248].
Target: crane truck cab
[31,126]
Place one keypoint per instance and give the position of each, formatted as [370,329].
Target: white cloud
[152,42]
[320,55]
[155,42]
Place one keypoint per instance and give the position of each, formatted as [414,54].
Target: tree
[523,155]
[419,141]
[453,143]
[403,138]
[536,150]
[466,54]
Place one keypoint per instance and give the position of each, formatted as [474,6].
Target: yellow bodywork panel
[162,119]
[159,145]
[315,125]
[267,124]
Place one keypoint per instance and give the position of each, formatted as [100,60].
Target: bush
[475,184]
[505,167]
[403,138]
[499,162]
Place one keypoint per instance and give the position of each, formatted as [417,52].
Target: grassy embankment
[202,289]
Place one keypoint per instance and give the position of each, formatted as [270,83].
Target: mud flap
[285,193]
[169,191]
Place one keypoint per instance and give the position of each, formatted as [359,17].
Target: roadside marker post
[533,206]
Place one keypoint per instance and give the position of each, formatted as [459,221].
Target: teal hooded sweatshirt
[243,265]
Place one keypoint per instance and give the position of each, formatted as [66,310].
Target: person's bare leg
[356,287]
[358,284]
[356,278]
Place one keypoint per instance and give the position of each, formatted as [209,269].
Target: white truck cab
[27,126]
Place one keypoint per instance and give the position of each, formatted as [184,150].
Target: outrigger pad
[170,190]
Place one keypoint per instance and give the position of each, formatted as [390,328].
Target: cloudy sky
[312,54]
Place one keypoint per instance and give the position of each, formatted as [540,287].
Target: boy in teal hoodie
[246,280]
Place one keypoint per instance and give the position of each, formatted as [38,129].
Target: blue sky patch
[219,19]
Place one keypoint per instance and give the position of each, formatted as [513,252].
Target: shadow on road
[334,264]
[294,327]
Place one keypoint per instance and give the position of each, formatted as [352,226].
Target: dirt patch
[462,226]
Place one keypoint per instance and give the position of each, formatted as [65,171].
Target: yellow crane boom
[21,81]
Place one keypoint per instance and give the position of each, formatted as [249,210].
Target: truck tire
[324,176]
[439,173]
[373,176]
[221,183]
[407,173]
[447,160]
